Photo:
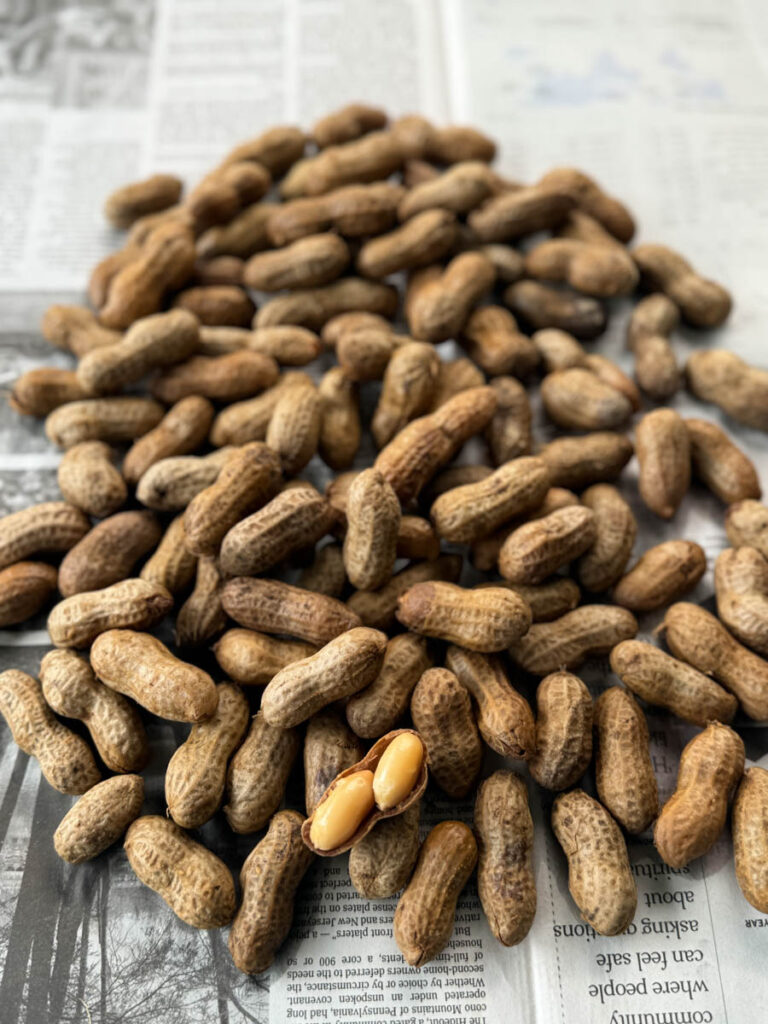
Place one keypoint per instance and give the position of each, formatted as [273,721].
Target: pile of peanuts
[209,508]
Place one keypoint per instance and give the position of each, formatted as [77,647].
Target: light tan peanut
[129,202]
[72,690]
[329,747]
[388,780]
[485,551]
[600,879]
[195,884]
[746,523]
[442,712]
[294,428]
[548,600]
[616,529]
[425,238]
[364,344]
[484,620]
[589,267]
[306,263]
[661,575]
[416,538]
[172,565]
[453,376]
[99,818]
[257,775]
[539,548]
[326,573]
[425,912]
[201,617]
[286,344]
[345,665]
[272,607]
[217,305]
[577,399]
[493,341]
[241,237]
[88,479]
[65,759]
[219,270]
[505,877]
[653,320]
[450,144]
[40,391]
[407,390]
[276,149]
[416,172]
[565,643]
[696,636]
[269,879]
[225,378]
[563,731]
[373,520]
[668,683]
[612,376]
[381,864]
[459,189]
[664,453]
[702,302]
[377,709]
[140,667]
[590,198]
[114,420]
[439,301]
[513,214]
[51,526]
[691,821]
[289,522]
[542,306]
[739,389]
[377,607]
[750,829]
[252,659]
[196,773]
[347,123]
[75,329]
[720,465]
[741,585]
[624,775]
[246,421]
[172,483]
[133,603]
[504,717]
[559,350]
[354,211]
[25,589]
[414,455]
[577,462]
[371,158]
[181,431]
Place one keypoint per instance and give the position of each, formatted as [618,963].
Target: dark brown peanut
[577,462]
[378,708]
[661,575]
[258,774]
[623,769]
[25,589]
[373,520]
[442,713]
[201,617]
[541,306]
[381,864]
[564,643]
[563,731]
[329,747]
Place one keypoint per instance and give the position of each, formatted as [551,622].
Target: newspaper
[665,102]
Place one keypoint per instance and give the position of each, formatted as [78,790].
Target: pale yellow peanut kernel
[340,815]
[397,770]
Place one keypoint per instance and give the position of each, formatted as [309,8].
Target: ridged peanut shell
[381,864]
[563,731]
[750,837]
[564,643]
[130,604]
[99,818]
[441,710]
[624,775]
[25,589]
[661,575]
[486,620]
[257,775]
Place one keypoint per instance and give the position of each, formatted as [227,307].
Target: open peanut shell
[370,762]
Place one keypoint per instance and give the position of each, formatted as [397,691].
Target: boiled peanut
[542,306]
[294,428]
[172,565]
[99,818]
[133,603]
[481,620]
[347,123]
[115,420]
[326,573]
[329,747]
[509,432]
[88,479]
[425,238]
[376,709]
[354,211]
[615,531]
[664,453]
[75,329]
[563,731]
[548,600]
[257,775]
[442,713]
[47,527]
[577,462]
[339,815]
[720,464]
[585,632]
[25,589]
[749,837]
[276,149]
[656,369]
[374,156]
[201,617]
[737,388]
[702,302]
[662,575]
[513,214]
[535,550]
[624,775]
[183,429]
[252,659]
[741,586]
[373,519]
[383,861]
[485,551]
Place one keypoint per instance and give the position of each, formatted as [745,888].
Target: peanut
[590,198]
[505,878]
[615,531]
[453,376]
[47,527]
[493,341]
[565,643]
[577,462]
[383,861]
[459,189]
[720,464]
[252,659]
[99,818]
[219,270]
[345,665]
[326,573]
[201,617]
[407,390]
[183,429]
[65,759]
[507,261]
[542,306]
[329,747]
[509,432]
[25,589]
[695,636]
[72,690]
[656,369]
[309,262]
[75,329]
[662,575]
[294,428]
[371,158]
[376,709]
[485,551]
[340,429]
[314,307]
[425,912]
[114,420]
[269,879]
[577,399]
[195,884]
[425,238]
[439,301]
[347,123]
[592,268]
[558,350]
[133,604]
[88,479]
[354,211]
[172,483]
[451,144]
[276,149]
[257,775]
[225,378]
[600,879]
[38,392]
[241,237]
[196,773]
[746,523]
[624,775]
[140,667]
[737,388]
[442,713]
[741,586]
[664,453]
[513,214]
[563,731]
[749,837]
[217,305]
[668,683]
[483,620]
[702,302]
[373,519]
[691,821]
[273,607]
[504,717]
[171,566]
[537,549]
[614,377]
[548,600]
[128,203]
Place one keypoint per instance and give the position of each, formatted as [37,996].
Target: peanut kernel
[340,815]
[397,771]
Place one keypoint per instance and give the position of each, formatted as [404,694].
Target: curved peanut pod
[25,589]
[577,462]
[182,430]
[99,818]
[115,420]
[539,548]
[577,399]
[89,480]
[600,879]
[623,769]
[442,713]
[664,453]
[563,731]
[565,642]
[425,913]
[615,531]
[196,885]
[252,659]
[131,604]
[201,616]
[746,524]
[108,552]
[506,882]
[269,879]
[486,620]
[65,759]
[383,861]
[377,709]
[50,526]
[661,575]
[720,464]
[373,521]
[741,585]
[750,837]
[692,819]
[257,775]
[171,565]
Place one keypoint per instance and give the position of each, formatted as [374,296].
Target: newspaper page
[665,103]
